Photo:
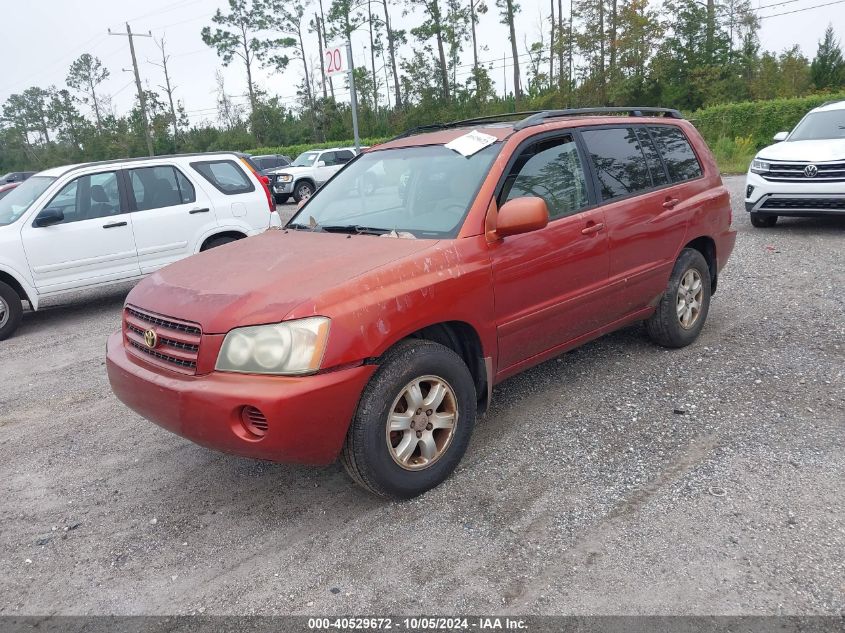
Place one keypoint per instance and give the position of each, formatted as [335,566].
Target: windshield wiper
[357,229]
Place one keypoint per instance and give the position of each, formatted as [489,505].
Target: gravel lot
[620,478]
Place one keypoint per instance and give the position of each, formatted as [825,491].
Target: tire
[280,199]
[214,242]
[666,326]
[372,454]
[303,191]
[11,311]
[763,221]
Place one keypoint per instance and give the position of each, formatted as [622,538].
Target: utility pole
[353,95]
[141,97]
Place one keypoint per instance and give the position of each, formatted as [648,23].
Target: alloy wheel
[421,422]
[689,299]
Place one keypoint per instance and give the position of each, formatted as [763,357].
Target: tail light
[265,181]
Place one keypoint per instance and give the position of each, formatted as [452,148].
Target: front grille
[805,204]
[794,172]
[177,342]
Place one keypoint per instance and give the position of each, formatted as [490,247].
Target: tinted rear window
[225,175]
[677,153]
[618,160]
[655,165]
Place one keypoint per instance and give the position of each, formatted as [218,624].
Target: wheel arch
[463,339]
[310,180]
[18,286]
[707,247]
[238,235]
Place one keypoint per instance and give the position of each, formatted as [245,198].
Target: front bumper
[793,198]
[307,416]
[282,187]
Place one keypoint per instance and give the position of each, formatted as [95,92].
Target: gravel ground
[620,478]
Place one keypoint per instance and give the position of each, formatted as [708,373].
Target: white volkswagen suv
[803,174]
[88,225]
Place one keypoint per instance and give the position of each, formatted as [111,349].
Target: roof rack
[541,117]
[491,118]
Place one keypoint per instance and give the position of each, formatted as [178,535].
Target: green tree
[507,10]
[433,27]
[828,68]
[85,75]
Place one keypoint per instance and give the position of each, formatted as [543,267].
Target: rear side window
[549,169]
[677,153]
[655,165]
[226,176]
[342,157]
[618,160]
[157,187]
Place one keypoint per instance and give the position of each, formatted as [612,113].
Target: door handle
[670,203]
[592,228]
[114,225]
[192,211]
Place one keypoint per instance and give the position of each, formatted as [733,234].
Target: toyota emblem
[811,171]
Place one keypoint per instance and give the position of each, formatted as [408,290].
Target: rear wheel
[303,191]
[683,308]
[413,422]
[11,310]
[763,221]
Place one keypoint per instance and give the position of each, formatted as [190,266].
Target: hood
[293,171]
[261,279]
[818,151]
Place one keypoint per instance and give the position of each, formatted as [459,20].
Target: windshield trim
[497,145]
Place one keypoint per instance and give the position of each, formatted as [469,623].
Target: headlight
[291,347]
[760,166]
[285,178]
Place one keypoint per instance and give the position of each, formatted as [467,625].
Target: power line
[818,6]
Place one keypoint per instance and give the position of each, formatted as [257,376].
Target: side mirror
[49,216]
[521,215]
[321,163]
[780,136]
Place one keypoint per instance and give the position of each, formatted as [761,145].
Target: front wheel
[413,422]
[683,308]
[763,220]
[303,191]
[11,311]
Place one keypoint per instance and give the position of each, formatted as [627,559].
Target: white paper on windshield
[471,143]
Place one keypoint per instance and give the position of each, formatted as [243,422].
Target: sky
[39,39]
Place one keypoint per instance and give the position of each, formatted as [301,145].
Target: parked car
[803,174]
[15,176]
[374,327]
[83,226]
[309,171]
[266,163]
[5,189]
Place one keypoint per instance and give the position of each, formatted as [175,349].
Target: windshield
[21,197]
[306,159]
[820,125]
[425,191]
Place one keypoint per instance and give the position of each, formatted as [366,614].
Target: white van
[83,226]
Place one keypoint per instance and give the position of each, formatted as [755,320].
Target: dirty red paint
[528,297]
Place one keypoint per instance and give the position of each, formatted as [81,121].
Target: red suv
[374,325]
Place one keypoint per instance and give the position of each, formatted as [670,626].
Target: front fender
[24,281]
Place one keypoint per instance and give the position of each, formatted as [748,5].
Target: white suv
[310,170]
[83,226]
[803,174]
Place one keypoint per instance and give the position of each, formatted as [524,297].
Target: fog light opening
[254,421]
[749,190]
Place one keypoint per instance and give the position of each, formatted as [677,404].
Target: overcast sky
[40,39]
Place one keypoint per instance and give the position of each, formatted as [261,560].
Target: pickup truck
[309,171]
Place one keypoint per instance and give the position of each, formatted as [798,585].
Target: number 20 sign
[335,59]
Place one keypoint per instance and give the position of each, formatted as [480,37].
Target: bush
[737,131]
